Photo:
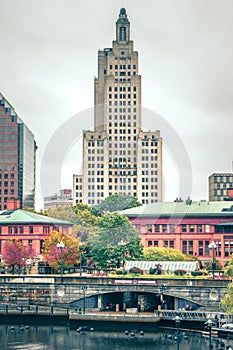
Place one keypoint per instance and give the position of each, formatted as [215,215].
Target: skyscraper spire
[122,27]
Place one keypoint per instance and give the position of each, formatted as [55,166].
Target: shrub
[196,273]
[124,272]
[152,271]
[136,271]
[180,272]
[119,272]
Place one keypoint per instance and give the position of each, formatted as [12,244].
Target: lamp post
[60,246]
[162,301]
[122,243]
[177,322]
[213,246]
[209,324]
[84,288]
[81,256]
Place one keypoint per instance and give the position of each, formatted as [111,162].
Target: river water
[62,338]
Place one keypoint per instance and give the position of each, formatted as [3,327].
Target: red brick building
[187,226]
[29,228]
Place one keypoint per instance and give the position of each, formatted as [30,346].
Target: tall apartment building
[221,186]
[17,158]
[118,156]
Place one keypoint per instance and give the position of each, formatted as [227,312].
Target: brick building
[29,228]
[187,226]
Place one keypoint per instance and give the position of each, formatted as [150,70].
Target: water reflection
[62,338]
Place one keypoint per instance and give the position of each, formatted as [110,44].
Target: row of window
[123,117]
[116,96]
[122,110]
[6,176]
[6,183]
[227,178]
[7,168]
[121,124]
[203,247]
[171,228]
[122,66]
[7,119]
[7,136]
[28,229]
[223,185]
[6,191]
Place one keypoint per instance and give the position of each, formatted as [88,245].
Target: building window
[184,228]
[172,228]
[149,243]
[122,33]
[157,228]
[30,229]
[199,228]
[149,228]
[191,228]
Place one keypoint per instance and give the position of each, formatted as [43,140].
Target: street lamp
[177,322]
[162,290]
[213,246]
[81,256]
[60,246]
[84,288]
[209,324]
[122,243]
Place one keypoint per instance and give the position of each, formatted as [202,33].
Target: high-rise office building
[17,158]
[221,186]
[118,156]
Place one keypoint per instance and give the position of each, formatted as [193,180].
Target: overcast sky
[48,58]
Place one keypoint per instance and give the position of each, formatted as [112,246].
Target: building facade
[17,158]
[188,226]
[29,228]
[221,186]
[61,199]
[118,156]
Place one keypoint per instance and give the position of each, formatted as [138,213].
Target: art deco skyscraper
[118,157]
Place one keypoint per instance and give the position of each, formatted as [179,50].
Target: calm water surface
[62,338]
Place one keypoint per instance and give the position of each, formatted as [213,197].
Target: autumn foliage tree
[61,257]
[16,254]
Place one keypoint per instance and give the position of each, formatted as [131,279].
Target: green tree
[115,241]
[80,215]
[227,303]
[64,257]
[163,254]
[117,202]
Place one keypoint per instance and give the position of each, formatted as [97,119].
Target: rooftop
[21,216]
[181,209]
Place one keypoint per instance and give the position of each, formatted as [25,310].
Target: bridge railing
[218,317]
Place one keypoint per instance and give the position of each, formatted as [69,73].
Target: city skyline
[49,61]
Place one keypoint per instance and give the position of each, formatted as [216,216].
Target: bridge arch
[149,300]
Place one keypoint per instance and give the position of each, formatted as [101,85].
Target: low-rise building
[188,226]
[61,199]
[29,228]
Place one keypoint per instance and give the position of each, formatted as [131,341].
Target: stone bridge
[104,292]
